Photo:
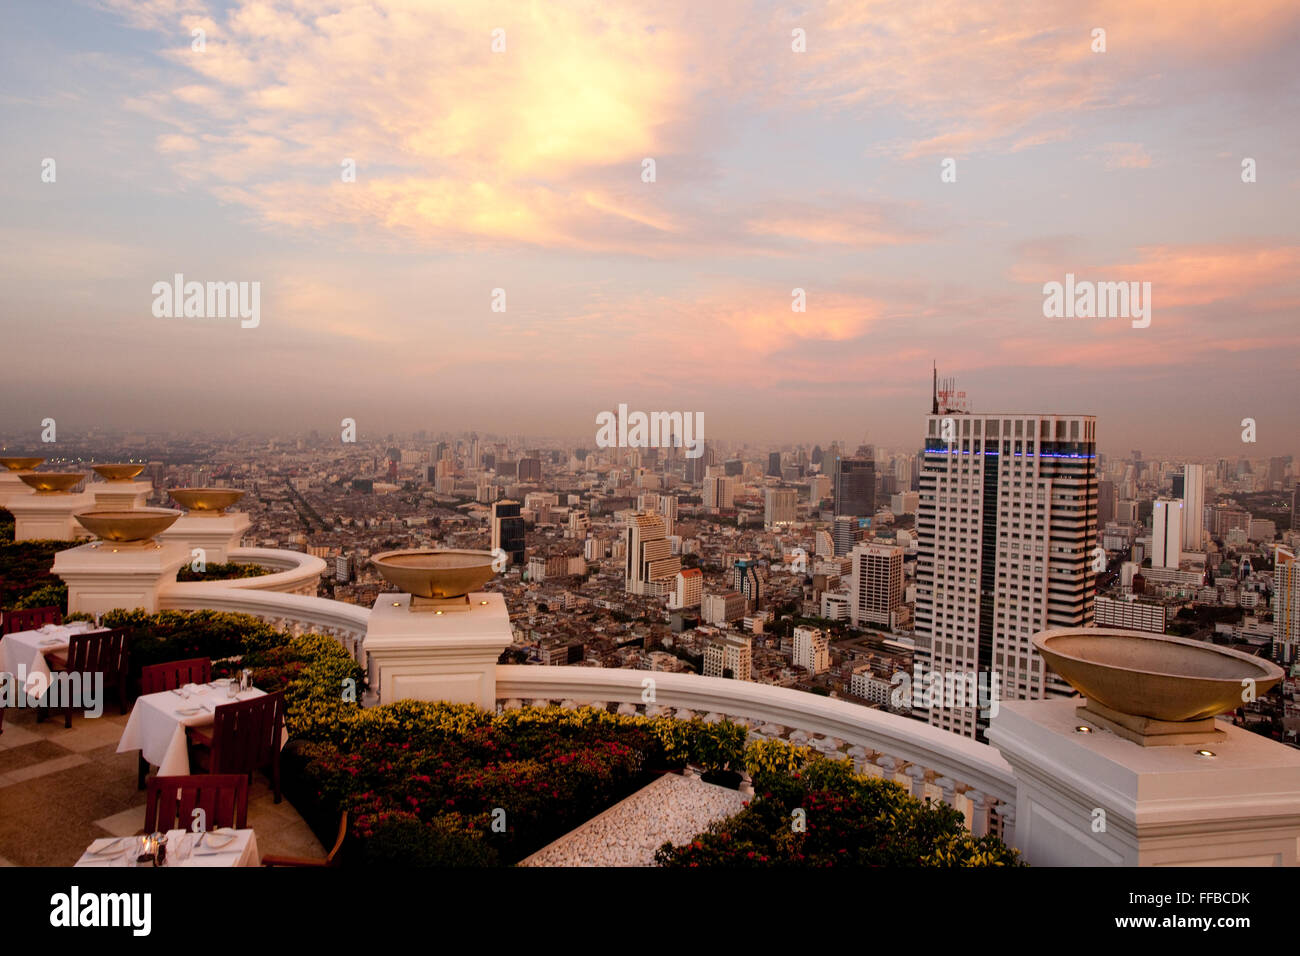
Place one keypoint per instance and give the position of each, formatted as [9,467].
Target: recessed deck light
[1205,753]
[1083,729]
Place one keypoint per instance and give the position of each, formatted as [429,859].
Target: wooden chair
[103,652]
[31,618]
[173,674]
[158,678]
[245,737]
[171,801]
[331,859]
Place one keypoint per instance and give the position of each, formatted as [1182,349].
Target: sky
[523,169]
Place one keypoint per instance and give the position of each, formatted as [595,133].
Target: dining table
[23,652]
[221,847]
[158,722]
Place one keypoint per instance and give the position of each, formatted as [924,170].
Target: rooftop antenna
[934,408]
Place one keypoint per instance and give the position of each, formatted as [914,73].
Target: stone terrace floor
[61,789]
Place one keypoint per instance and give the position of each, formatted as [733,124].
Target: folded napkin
[227,845]
[104,844]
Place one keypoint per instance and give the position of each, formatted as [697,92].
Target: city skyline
[776,169]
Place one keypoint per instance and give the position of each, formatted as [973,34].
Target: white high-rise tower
[1006,527]
[1194,507]
[1167,532]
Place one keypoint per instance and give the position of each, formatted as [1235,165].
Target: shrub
[47,595]
[847,820]
[402,840]
[25,571]
[222,571]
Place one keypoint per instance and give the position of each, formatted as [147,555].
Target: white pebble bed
[672,808]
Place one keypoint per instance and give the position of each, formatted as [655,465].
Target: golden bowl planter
[20,464]
[436,578]
[51,482]
[205,501]
[127,527]
[1152,689]
[121,472]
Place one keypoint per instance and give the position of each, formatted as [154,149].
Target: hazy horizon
[775,170]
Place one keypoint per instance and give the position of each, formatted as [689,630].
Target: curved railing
[292,572]
[295,613]
[951,766]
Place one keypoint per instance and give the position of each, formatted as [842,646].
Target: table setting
[222,847]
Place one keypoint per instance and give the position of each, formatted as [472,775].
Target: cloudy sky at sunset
[522,170]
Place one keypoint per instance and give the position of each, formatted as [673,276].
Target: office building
[774,464]
[1193,508]
[746,579]
[1286,605]
[1131,614]
[1005,532]
[778,508]
[721,609]
[811,650]
[650,568]
[508,530]
[688,589]
[719,492]
[846,532]
[1166,533]
[876,585]
[729,655]
[855,487]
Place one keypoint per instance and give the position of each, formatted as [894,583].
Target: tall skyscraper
[1193,507]
[1286,605]
[855,486]
[1295,507]
[1166,532]
[1006,526]
[508,530]
[719,492]
[778,507]
[650,568]
[774,464]
[1106,501]
[876,584]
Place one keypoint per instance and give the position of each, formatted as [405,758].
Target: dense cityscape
[836,568]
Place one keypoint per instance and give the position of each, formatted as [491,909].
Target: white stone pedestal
[426,655]
[12,487]
[1096,799]
[49,516]
[102,576]
[217,535]
[120,495]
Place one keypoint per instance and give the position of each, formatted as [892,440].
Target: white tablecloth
[157,730]
[181,851]
[24,652]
